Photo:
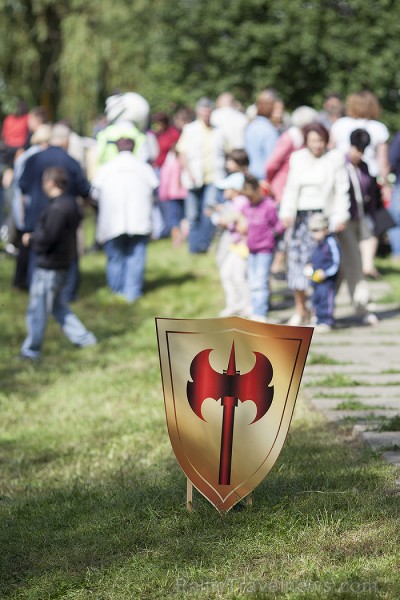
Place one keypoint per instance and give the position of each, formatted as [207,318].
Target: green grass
[92,501]
[335,380]
[392,424]
[336,395]
[390,272]
[355,405]
[321,359]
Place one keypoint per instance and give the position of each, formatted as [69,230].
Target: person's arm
[288,205]
[181,147]
[394,154]
[26,177]
[278,156]
[335,257]
[82,185]
[341,199]
[382,156]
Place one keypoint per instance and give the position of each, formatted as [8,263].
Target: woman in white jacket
[317,182]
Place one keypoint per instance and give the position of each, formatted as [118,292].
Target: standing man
[232,121]
[30,183]
[260,135]
[124,188]
[201,151]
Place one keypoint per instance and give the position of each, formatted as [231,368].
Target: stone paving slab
[359,369]
[335,416]
[327,404]
[365,353]
[357,336]
[359,392]
[381,379]
[385,440]
[392,457]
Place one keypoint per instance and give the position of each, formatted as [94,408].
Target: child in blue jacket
[323,270]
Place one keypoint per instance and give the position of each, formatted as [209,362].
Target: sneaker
[88,341]
[370,319]
[227,312]
[323,328]
[296,320]
[259,318]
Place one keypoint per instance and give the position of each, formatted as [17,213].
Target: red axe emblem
[229,386]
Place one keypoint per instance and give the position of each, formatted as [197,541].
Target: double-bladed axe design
[229,386]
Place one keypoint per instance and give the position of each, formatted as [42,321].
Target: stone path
[353,373]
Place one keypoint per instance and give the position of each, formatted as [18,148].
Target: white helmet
[128,107]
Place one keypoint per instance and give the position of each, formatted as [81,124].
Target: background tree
[73,54]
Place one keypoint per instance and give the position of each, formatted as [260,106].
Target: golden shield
[230,387]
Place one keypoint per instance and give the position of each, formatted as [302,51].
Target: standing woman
[363,112]
[317,182]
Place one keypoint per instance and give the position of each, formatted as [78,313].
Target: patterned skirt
[300,247]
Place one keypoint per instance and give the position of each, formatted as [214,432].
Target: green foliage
[72,54]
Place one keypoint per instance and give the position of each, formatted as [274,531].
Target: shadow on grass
[166,280]
[60,535]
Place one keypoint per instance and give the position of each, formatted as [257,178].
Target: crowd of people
[305,196]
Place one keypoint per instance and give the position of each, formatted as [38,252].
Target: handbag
[383,221]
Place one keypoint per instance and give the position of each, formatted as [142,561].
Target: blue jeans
[201,230]
[71,283]
[394,232]
[323,300]
[259,266]
[126,261]
[45,297]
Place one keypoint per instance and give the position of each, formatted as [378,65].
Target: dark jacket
[369,189]
[54,239]
[326,256]
[31,180]
[394,156]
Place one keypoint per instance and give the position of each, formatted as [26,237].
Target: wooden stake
[189,495]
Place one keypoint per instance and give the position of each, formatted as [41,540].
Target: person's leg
[36,315]
[394,232]
[300,246]
[301,310]
[20,279]
[226,275]
[324,302]
[210,198]
[114,250]
[71,326]
[175,216]
[351,267]
[259,268]
[165,226]
[71,285]
[368,250]
[240,284]
[201,229]
[193,213]
[135,263]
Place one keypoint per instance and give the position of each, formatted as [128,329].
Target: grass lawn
[92,500]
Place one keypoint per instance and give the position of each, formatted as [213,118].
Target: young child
[237,161]
[232,251]
[54,241]
[323,270]
[262,228]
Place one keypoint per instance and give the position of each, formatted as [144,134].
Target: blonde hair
[363,105]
